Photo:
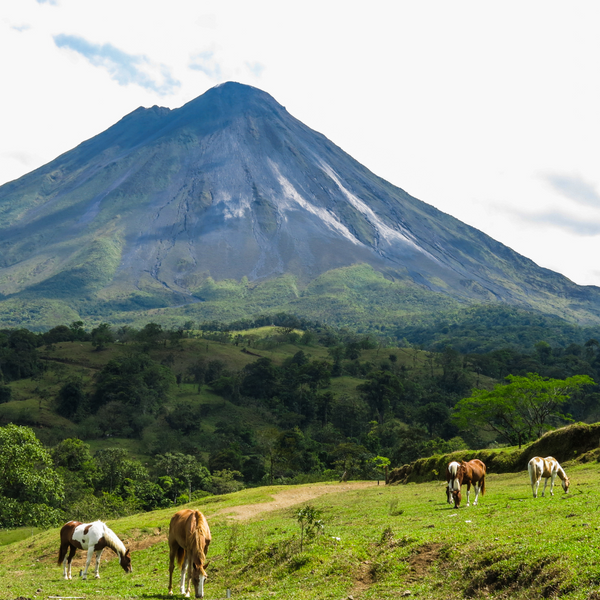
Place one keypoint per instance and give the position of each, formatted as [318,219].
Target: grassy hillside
[378,543]
[33,399]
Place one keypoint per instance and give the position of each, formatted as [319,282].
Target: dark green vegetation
[133,420]
[228,207]
[378,543]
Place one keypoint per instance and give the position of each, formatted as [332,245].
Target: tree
[135,380]
[184,467]
[150,335]
[381,391]
[114,468]
[309,519]
[70,399]
[433,415]
[30,488]
[259,379]
[72,454]
[520,409]
[102,336]
[5,393]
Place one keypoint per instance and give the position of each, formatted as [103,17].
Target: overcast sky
[489,111]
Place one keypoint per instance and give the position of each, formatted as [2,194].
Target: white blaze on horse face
[200,589]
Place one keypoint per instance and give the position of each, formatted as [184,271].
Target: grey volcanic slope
[231,185]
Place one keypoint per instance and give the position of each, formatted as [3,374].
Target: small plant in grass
[311,524]
[232,541]
[394,510]
[386,537]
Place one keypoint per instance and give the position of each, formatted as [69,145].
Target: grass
[379,542]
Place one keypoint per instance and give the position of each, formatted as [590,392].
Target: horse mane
[113,542]
[561,473]
[201,534]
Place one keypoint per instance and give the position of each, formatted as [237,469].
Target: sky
[489,111]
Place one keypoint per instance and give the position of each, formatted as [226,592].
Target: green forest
[116,420]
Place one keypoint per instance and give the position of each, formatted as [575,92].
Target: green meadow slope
[378,543]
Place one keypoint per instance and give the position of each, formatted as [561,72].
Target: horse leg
[67,562]
[545,484]
[535,486]
[184,568]
[468,492]
[552,478]
[98,555]
[477,487]
[172,554]
[90,553]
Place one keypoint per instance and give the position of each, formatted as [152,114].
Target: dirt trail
[282,498]
[290,496]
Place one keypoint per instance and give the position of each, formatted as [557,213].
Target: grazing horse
[547,468]
[189,538]
[472,472]
[93,537]
[451,481]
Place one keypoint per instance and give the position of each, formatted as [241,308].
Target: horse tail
[180,556]
[532,468]
[483,485]
[64,543]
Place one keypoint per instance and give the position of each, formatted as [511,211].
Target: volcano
[167,204]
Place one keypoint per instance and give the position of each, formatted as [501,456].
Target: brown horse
[472,472]
[189,538]
[93,537]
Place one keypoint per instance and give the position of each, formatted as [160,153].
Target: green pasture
[378,543]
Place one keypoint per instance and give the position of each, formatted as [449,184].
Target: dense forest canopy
[149,417]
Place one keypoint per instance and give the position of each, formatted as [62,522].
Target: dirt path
[283,498]
[290,496]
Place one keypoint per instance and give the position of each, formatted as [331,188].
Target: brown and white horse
[548,468]
[471,472]
[189,538]
[451,481]
[93,537]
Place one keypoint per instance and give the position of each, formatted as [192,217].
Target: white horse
[92,537]
[548,468]
[452,482]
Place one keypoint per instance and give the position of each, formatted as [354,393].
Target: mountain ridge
[228,186]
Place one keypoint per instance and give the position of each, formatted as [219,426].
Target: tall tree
[30,488]
[521,409]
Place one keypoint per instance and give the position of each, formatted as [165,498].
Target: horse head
[125,562]
[565,484]
[198,577]
[457,497]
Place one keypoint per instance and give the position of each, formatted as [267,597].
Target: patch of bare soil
[287,497]
[421,561]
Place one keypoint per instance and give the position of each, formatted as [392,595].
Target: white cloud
[207,63]
[576,189]
[124,68]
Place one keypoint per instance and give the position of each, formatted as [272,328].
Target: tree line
[402,404]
